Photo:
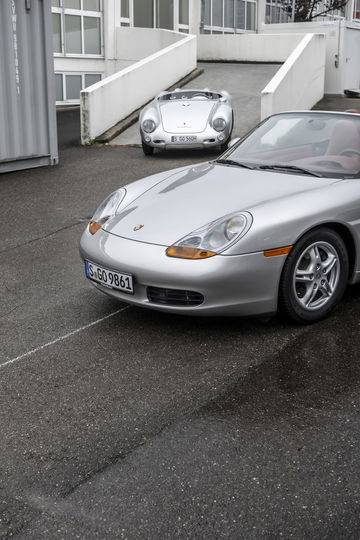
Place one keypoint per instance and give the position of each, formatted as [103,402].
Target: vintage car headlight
[148,126]
[219,124]
[107,209]
[213,238]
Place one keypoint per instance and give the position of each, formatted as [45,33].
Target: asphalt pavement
[119,422]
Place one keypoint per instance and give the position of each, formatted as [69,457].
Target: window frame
[82,74]
[129,21]
[82,13]
[212,29]
[356,11]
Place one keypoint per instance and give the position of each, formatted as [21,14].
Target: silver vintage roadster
[187,119]
[274,223]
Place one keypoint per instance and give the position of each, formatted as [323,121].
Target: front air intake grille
[174,297]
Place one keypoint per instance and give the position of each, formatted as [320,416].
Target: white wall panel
[114,98]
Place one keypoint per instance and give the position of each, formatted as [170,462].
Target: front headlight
[219,124]
[148,126]
[213,238]
[107,209]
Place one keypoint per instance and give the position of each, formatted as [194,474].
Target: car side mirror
[233,141]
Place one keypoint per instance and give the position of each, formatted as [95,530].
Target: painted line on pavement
[61,338]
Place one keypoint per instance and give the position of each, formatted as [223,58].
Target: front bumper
[231,285]
[206,139]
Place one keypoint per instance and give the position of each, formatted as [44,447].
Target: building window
[73,34]
[59,87]
[277,12]
[281,11]
[167,14]
[77,27]
[356,15]
[92,35]
[143,13]
[184,12]
[125,12]
[56,20]
[69,85]
[72,87]
[228,16]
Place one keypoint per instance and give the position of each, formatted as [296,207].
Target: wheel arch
[345,234]
[343,231]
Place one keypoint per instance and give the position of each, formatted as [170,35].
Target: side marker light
[94,226]
[277,251]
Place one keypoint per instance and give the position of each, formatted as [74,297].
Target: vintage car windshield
[323,144]
[190,94]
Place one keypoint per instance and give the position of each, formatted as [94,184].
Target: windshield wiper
[233,162]
[289,168]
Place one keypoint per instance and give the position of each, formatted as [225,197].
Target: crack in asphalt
[38,238]
[8,313]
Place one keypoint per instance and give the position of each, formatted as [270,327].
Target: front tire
[314,276]
[224,146]
[148,150]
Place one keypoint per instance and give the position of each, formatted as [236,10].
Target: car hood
[185,116]
[191,198]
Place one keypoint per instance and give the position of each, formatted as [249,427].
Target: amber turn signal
[94,226]
[188,252]
[278,251]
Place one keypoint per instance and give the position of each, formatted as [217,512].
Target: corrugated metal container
[28,136]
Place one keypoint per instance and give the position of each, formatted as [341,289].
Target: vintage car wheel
[314,276]
[148,150]
[352,92]
[224,146]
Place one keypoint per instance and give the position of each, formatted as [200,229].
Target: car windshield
[190,94]
[322,144]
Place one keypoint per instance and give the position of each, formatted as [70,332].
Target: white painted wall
[248,47]
[275,42]
[134,44]
[125,46]
[114,98]
[351,57]
[106,65]
[342,68]
[80,65]
[299,83]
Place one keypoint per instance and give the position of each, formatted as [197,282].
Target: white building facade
[86,32]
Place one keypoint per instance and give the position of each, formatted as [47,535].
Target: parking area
[119,422]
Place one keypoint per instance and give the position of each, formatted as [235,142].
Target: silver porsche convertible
[272,224]
[187,119]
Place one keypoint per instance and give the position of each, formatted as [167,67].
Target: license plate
[183,138]
[109,278]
